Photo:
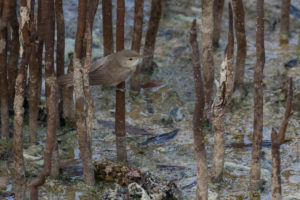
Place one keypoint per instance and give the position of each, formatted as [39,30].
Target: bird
[109,70]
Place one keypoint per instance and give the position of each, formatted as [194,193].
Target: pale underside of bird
[109,70]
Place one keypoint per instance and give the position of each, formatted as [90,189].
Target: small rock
[137,192]
[30,157]
[34,153]
[212,195]
[159,189]
[177,113]
[118,193]
[294,179]
[3,182]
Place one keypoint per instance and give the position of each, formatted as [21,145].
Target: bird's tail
[65,80]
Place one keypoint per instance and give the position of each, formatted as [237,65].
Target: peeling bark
[255,172]
[239,24]
[221,103]
[18,125]
[198,119]
[18,102]
[120,129]
[83,137]
[136,40]
[18,133]
[86,86]
[81,124]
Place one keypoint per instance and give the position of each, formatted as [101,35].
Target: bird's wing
[122,74]
[67,79]
[99,78]
[100,63]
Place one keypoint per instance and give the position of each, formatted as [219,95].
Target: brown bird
[109,70]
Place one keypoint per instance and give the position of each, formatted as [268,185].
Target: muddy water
[170,107]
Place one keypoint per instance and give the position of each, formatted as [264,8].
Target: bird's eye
[130,59]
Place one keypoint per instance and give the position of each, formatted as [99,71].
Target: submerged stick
[33,84]
[51,137]
[207,50]
[4,115]
[19,165]
[108,41]
[120,128]
[217,14]
[156,12]
[82,132]
[198,119]
[287,114]
[285,21]
[87,92]
[255,172]
[277,140]
[239,24]
[51,94]
[222,102]
[12,63]
[276,180]
[136,40]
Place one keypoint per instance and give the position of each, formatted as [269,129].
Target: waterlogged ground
[170,107]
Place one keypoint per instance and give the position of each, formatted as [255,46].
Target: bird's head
[128,58]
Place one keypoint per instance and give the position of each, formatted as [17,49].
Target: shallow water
[170,107]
